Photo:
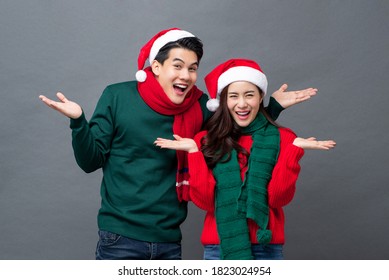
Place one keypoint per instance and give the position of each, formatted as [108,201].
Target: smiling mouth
[180,88]
[243,114]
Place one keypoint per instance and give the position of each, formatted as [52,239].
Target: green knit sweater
[138,194]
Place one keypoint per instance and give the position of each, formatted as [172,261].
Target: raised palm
[64,106]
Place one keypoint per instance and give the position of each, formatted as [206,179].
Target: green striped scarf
[236,201]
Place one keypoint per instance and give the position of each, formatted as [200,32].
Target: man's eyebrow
[180,60]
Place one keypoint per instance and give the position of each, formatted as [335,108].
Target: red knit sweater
[281,187]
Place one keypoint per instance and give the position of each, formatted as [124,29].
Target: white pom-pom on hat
[141,76]
[213,104]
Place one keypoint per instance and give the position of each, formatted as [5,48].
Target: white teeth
[181,86]
[242,113]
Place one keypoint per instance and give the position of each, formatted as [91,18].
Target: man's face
[178,74]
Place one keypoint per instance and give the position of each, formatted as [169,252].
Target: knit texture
[138,194]
[188,120]
[236,201]
[281,188]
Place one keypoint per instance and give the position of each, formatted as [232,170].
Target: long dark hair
[223,133]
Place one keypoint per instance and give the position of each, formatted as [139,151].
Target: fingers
[300,93]
[325,145]
[302,98]
[313,91]
[312,144]
[160,139]
[62,97]
[166,144]
[160,142]
[329,144]
[163,142]
[284,87]
[52,103]
[43,98]
[47,101]
[181,144]
[305,93]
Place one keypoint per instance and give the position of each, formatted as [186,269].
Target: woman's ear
[155,67]
[261,95]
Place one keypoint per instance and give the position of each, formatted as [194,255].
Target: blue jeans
[112,246]
[260,252]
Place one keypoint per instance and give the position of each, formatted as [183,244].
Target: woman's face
[243,102]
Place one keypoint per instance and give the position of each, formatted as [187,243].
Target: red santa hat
[151,48]
[233,70]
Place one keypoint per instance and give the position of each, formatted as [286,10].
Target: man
[141,210]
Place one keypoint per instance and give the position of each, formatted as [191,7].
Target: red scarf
[188,119]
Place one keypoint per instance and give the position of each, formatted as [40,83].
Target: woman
[243,168]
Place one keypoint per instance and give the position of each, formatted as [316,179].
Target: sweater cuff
[274,108]
[296,152]
[79,122]
[197,162]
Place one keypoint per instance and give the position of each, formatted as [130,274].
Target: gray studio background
[48,206]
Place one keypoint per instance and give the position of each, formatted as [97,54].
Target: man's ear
[155,67]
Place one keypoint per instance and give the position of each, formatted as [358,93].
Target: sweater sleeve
[282,185]
[201,180]
[203,103]
[274,108]
[91,141]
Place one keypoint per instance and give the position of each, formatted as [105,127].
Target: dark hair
[223,133]
[190,43]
